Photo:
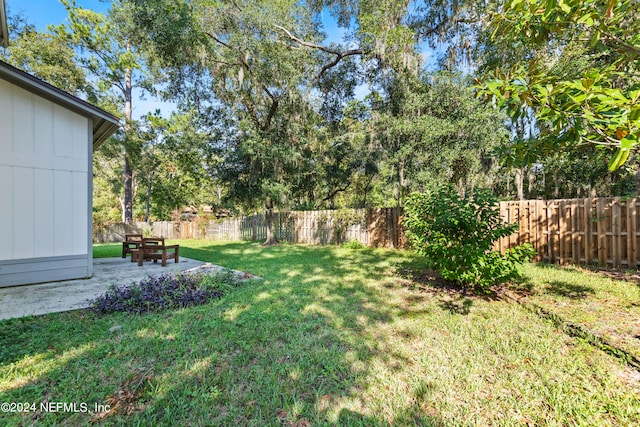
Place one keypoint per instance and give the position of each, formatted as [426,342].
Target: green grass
[329,336]
[606,307]
[107,250]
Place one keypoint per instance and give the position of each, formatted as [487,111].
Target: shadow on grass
[461,306]
[451,296]
[544,283]
[569,290]
[292,349]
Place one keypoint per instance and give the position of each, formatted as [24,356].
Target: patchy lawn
[597,301]
[330,336]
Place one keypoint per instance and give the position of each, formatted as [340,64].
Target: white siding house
[47,138]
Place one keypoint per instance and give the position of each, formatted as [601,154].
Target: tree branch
[339,55]
[215,38]
[622,43]
[335,191]
[305,43]
[272,112]
[442,26]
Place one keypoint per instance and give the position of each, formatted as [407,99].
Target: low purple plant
[162,292]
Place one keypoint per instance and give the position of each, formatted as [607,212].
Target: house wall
[44,189]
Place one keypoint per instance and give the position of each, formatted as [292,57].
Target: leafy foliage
[599,104]
[164,292]
[457,234]
[48,56]
[434,132]
[354,244]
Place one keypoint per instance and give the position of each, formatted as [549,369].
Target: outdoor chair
[131,242]
[153,248]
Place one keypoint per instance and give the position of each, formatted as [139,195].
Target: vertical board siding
[23,123]
[44,173]
[62,213]
[23,207]
[44,221]
[6,118]
[6,225]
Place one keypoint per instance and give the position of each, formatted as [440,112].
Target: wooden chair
[131,242]
[153,248]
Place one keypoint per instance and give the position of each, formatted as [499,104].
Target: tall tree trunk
[127,215]
[519,181]
[268,215]
[147,204]
[127,201]
[531,182]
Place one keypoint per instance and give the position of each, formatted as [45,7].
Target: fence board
[631,234]
[601,230]
[616,232]
[586,224]
[539,223]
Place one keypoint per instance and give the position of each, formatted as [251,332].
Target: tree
[48,56]
[109,49]
[433,131]
[255,72]
[177,163]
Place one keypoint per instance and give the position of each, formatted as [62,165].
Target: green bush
[354,244]
[457,234]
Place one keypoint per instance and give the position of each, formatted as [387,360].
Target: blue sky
[42,13]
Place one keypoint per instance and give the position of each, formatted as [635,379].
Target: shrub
[353,244]
[457,234]
[164,291]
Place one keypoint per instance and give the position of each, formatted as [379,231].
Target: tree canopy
[597,102]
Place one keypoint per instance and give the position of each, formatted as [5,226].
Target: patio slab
[52,297]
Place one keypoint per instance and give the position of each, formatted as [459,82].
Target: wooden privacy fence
[371,227]
[578,231]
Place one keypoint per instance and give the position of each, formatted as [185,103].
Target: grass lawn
[606,307]
[329,336]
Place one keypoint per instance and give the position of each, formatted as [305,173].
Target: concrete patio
[52,297]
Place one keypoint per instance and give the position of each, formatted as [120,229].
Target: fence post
[588,233]
[616,232]
[602,237]
[632,261]
[539,240]
[575,236]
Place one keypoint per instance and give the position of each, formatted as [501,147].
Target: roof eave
[102,130]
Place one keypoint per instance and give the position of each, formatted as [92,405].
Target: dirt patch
[127,399]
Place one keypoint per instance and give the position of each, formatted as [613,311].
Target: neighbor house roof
[104,124]
[4,33]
